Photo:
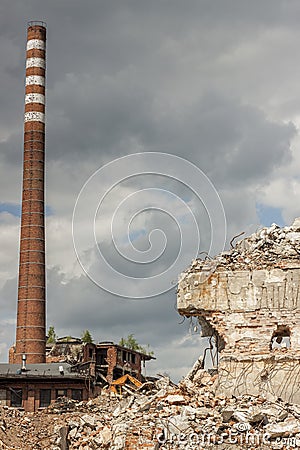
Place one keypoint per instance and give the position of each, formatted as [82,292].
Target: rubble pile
[269,247]
[159,415]
[63,404]
[20,430]
[188,416]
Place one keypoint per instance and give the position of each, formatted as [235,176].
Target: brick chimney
[31,331]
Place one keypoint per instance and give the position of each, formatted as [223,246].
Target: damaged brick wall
[249,299]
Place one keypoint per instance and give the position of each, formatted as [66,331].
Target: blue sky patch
[12,208]
[269,214]
[15,209]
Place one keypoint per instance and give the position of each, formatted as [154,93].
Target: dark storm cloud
[213,81]
[85,305]
[154,322]
[114,118]
[108,65]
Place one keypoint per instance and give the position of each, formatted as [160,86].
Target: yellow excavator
[117,385]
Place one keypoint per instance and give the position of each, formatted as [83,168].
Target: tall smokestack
[31,326]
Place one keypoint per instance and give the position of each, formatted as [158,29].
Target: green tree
[86,337]
[131,343]
[51,335]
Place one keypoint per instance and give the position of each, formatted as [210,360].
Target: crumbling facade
[113,361]
[105,361]
[249,300]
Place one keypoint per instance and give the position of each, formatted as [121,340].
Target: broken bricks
[175,418]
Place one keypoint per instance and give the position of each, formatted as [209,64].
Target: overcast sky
[215,82]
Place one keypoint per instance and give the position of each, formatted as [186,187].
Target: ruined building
[36,376]
[105,361]
[36,386]
[247,301]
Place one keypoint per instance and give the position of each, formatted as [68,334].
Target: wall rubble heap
[249,299]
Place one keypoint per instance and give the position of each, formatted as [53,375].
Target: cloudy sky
[215,82]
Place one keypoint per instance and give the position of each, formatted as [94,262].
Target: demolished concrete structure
[158,415]
[248,298]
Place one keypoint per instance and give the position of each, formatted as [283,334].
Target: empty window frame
[61,393]
[101,357]
[45,398]
[77,394]
[16,398]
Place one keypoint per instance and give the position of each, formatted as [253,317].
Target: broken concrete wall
[275,375]
[249,299]
[245,307]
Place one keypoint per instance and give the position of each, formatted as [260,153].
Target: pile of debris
[35,431]
[187,416]
[156,415]
[271,246]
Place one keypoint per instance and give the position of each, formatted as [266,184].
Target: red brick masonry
[31,333]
